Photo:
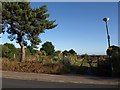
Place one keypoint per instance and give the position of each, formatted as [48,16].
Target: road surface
[17,83]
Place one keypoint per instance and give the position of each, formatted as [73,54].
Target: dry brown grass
[34,67]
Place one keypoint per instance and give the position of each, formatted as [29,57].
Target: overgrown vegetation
[58,62]
[34,67]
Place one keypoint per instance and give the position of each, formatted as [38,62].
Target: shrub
[8,50]
[115,57]
[34,67]
[82,70]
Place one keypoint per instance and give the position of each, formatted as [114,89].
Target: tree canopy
[24,24]
[8,50]
[72,51]
[48,47]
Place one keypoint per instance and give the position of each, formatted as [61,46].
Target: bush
[34,67]
[8,50]
[104,67]
[114,53]
[82,70]
[116,60]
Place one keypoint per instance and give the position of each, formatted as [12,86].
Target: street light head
[106,19]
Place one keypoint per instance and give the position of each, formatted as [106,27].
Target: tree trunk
[22,58]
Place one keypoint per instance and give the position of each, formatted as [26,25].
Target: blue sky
[80,26]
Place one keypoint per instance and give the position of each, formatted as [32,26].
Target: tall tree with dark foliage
[24,23]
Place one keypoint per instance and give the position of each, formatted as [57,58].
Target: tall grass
[34,67]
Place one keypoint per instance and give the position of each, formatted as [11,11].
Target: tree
[5,51]
[48,48]
[24,24]
[10,46]
[0,17]
[65,52]
[115,53]
[71,51]
[8,50]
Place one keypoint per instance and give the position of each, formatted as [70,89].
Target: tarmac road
[17,83]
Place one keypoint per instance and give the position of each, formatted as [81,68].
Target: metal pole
[108,36]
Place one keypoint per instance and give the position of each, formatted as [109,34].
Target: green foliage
[30,22]
[72,51]
[30,50]
[82,70]
[43,52]
[105,66]
[26,23]
[10,46]
[55,58]
[48,47]
[0,7]
[87,57]
[58,54]
[5,51]
[65,52]
[8,51]
[116,59]
[18,54]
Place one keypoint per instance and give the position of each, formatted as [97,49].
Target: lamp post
[109,50]
[108,36]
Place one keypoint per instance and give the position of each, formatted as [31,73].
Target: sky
[80,26]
